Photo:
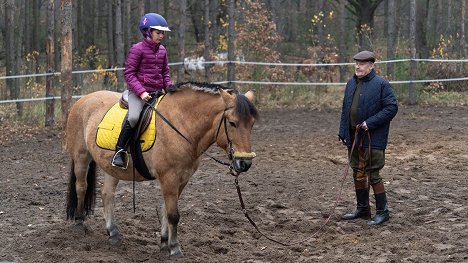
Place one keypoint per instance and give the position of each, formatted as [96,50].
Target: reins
[236,175]
[337,200]
[168,122]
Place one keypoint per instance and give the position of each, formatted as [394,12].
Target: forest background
[43,41]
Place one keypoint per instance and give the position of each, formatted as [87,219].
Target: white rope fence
[247,81]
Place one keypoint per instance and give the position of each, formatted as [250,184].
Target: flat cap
[365,56]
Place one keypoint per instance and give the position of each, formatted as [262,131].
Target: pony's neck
[202,114]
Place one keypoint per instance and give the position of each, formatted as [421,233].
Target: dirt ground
[289,192]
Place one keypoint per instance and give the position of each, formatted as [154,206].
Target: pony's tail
[90,196]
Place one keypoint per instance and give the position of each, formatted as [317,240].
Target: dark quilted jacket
[377,106]
[147,68]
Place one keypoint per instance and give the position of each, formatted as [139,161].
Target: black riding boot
[125,135]
[382,214]
[362,207]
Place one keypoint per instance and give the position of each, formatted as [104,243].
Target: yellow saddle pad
[109,129]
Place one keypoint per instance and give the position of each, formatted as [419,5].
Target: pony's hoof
[176,253]
[114,235]
[79,228]
[165,250]
[115,240]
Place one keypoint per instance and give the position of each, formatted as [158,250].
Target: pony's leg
[164,231]
[108,201]
[81,168]
[171,191]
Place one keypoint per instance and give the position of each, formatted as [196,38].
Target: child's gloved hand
[145,96]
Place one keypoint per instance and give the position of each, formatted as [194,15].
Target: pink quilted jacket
[147,68]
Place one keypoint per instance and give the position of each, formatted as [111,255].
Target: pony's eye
[233,124]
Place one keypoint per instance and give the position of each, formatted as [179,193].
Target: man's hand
[364,126]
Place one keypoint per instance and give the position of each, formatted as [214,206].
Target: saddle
[144,134]
[147,112]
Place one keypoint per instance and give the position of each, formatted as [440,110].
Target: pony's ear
[250,95]
[228,97]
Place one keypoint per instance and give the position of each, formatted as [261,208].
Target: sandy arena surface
[289,192]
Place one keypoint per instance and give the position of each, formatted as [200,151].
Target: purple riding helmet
[154,21]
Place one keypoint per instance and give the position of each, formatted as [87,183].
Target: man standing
[369,105]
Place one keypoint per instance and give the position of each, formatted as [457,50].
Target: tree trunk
[13,56]
[50,110]
[390,36]
[364,10]
[412,88]
[231,72]
[448,30]
[206,51]
[119,45]
[320,34]
[58,35]
[27,23]
[67,56]
[94,8]
[110,40]
[439,19]
[342,43]
[127,25]
[181,40]
[197,22]
[421,39]
[462,43]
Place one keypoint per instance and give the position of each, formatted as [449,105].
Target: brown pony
[204,113]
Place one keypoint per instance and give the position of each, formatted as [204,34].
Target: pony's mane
[201,86]
[244,108]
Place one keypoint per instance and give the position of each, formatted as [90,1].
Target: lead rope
[338,197]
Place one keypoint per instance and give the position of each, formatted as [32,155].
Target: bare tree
[206,51]
[50,109]
[412,88]
[364,11]
[421,39]
[342,42]
[231,72]
[448,29]
[128,24]
[390,36]
[95,7]
[196,15]
[57,34]
[28,8]
[119,45]
[67,56]
[181,34]
[13,45]
[462,42]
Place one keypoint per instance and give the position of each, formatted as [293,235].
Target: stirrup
[120,152]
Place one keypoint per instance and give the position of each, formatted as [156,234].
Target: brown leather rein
[337,200]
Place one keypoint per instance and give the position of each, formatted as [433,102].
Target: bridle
[223,121]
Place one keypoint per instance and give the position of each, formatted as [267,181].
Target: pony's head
[235,128]
[236,115]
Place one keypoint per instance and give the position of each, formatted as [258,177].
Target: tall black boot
[382,214]
[125,134]
[362,207]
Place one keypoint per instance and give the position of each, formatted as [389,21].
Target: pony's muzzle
[241,165]
[242,161]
